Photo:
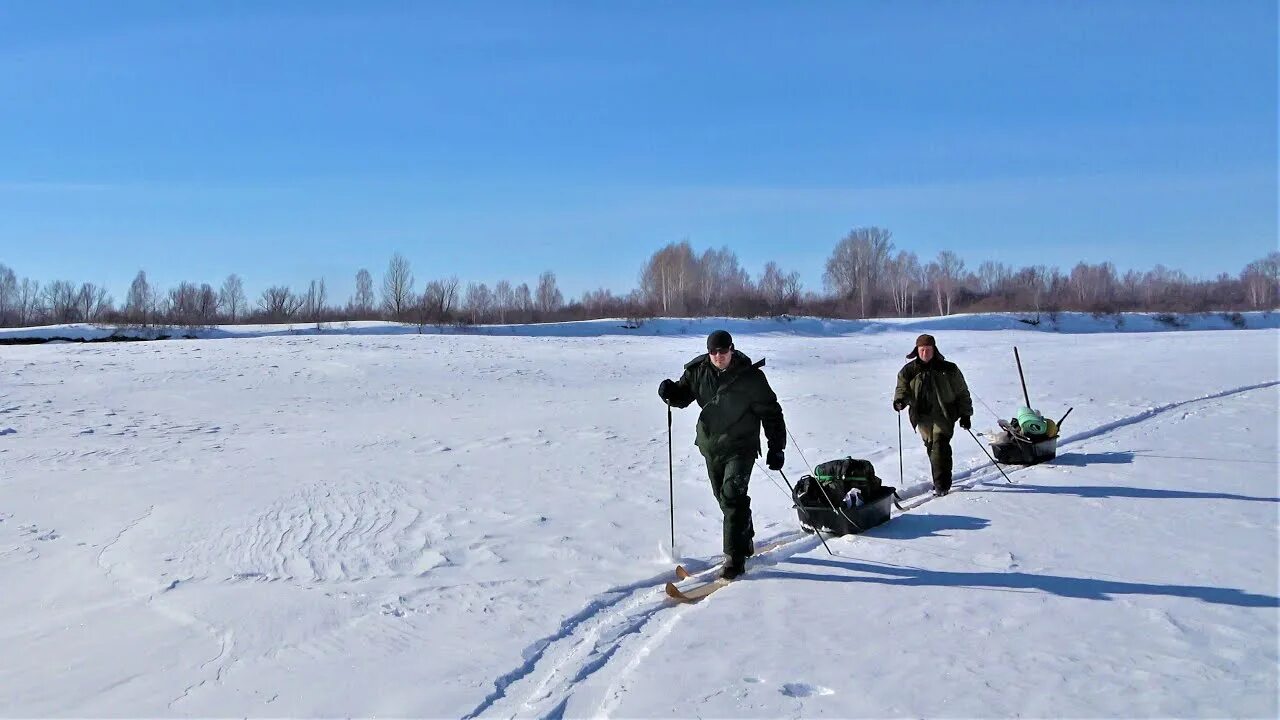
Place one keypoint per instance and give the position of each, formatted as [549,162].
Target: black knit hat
[719,340]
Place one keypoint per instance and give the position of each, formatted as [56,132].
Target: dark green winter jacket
[735,403]
[935,390]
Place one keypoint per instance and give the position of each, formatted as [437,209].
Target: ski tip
[674,591]
[681,573]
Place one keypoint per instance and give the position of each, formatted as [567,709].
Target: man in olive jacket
[937,395]
[736,401]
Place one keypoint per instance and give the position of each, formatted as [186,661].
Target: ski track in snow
[587,642]
[147,594]
[595,638]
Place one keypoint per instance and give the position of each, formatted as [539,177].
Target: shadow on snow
[910,526]
[1083,588]
[1105,491]
[1077,459]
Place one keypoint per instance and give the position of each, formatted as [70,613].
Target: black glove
[666,389]
[773,460]
[966,422]
[898,405]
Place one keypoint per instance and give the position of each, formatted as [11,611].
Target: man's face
[720,357]
[925,352]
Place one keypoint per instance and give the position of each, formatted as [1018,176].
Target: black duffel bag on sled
[842,497]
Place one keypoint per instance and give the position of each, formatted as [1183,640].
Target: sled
[873,511]
[1013,449]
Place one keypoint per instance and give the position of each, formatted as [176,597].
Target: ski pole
[796,445]
[816,531]
[901,477]
[902,480]
[671,482]
[984,452]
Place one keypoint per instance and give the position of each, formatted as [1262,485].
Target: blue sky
[296,140]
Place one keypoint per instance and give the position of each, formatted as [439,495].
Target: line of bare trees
[441,301]
[865,276]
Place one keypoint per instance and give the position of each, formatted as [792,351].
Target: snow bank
[1068,323]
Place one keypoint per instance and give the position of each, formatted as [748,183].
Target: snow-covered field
[454,525]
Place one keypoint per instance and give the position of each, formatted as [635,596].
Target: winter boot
[734,566]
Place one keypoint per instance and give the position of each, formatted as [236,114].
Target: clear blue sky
[292,140]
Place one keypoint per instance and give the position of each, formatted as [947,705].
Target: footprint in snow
[804,690]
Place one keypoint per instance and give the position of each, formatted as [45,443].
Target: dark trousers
[729,479]
[937,442]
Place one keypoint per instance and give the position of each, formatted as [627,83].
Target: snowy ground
[449,525]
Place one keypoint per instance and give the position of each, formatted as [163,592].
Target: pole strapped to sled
[1021,377]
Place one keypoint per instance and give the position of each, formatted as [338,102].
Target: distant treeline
[864,277]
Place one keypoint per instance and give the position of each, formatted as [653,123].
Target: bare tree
[397,288]
[362,303]
[721,280]
[549,297]
[1033,286]
[992,276]
[207,305]
[479,302]
[1261,280]
[140,303]
[1093,286]
[779,290]
[944,275]
[60,298]
[313,303]
[8,296]
[504,299]
[857,265]
[438,301]
[29,307]
[906,277]
[523,302]
[669,278]
[92,301]
[601,303]
[1161,287]
[231,298]
[187,305]
[278,303]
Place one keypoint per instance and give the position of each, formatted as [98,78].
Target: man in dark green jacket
[937,395]
[736,401]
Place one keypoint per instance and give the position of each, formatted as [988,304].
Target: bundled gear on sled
[842,497]
[1028,438]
